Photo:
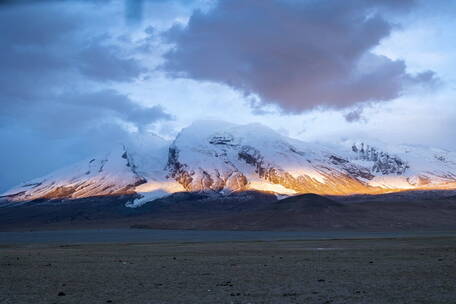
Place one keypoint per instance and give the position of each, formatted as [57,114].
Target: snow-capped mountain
[123,170]
[110,174]
[407,167]
[221,157]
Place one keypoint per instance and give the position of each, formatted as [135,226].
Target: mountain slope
[407,167]
[114,173]
[224,157]
[214,156]
[123,170]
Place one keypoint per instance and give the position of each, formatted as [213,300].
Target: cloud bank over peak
[297,54]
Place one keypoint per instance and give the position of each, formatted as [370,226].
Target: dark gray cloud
[355,115]
[58,67]
[103,63]
[52,66]
[70,114]
[46,47]
[110,103]
[298,54]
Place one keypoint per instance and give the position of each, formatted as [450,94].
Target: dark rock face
[177,170]
[131,164]
[223,139]
[199,179]
[352,170]
[384,163]
[337,160]
[253,157]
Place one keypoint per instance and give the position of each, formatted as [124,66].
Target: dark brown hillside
[239,211]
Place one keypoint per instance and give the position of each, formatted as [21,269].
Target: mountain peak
[222,157]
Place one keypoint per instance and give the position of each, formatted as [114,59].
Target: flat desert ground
[395,269]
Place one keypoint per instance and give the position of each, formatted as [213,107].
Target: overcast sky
[80,76]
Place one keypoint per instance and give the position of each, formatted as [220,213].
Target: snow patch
[153,190]
[147,197]
[260,185]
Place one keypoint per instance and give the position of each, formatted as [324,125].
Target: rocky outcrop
[383,162]
[198,179]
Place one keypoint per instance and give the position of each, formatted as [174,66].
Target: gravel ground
[394,270]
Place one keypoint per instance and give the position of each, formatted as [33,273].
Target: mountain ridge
[214,156]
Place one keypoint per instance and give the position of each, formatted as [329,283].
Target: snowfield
[223,157]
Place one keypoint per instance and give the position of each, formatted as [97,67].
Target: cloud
[104,63]
[298,54]
[55,68]
[42,54]
[110,103]
[355,115]
[61,70]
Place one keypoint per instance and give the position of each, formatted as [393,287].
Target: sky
[77,77]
